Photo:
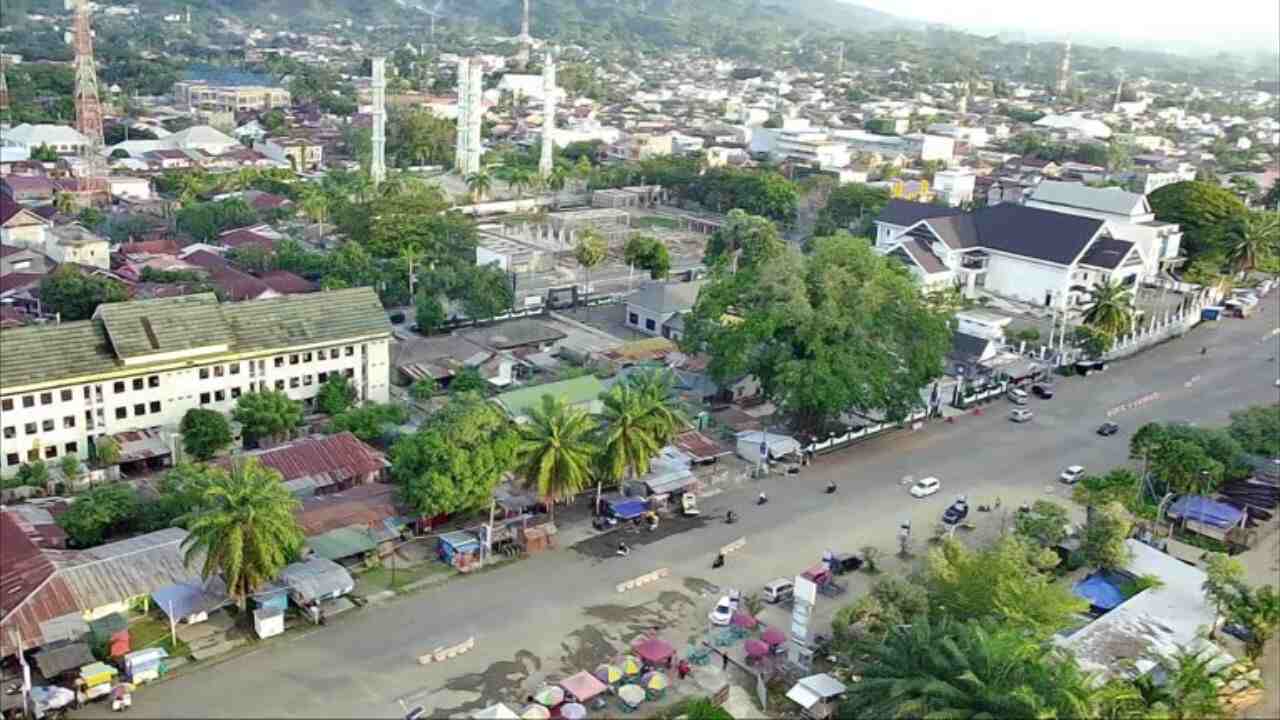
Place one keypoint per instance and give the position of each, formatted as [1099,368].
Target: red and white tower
[88,105]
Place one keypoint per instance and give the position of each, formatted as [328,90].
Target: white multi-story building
[141,365]
[955,187]
[1129,217]
[812,146]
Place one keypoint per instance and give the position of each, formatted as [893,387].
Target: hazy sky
[1226,24]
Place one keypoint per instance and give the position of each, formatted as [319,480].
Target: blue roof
[182,599]
[627,509]
[1099,591]
[1206,511]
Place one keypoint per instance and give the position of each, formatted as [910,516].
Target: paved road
[559,611]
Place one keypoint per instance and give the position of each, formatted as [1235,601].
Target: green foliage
[590,251]
[429,314]
[371,422]
[892,601]
[751,238]
[453,463]
[1204,211]
[1110,308]
[32,474]
[102,512]
[556,449]
[1095,342]
[1104,534]
[44,153]
[841,330]
[204,221]
[70,466]
[106,451]
[630,437]
[485,291]
[1252,241]
[467,381]
[999,583]
[1119,485]
[205,433]
[244,528]
[423,390]
[648,253]
[851,207]
[336,395]
[152,275]
[1045,525]
[267,415]
[75,295]
[1257,429]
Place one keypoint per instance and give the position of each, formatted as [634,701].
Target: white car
[1072,474]
[925,487]
[723,611]
[1021,415]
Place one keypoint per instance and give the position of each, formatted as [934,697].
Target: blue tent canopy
[1203,510]
[628,509]
[1099,591]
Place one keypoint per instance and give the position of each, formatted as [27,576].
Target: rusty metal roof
[365,505]
[333,457]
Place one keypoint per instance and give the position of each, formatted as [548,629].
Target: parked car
[1021,415]
[779,590]
[1043,391]
[925,487]
[958,511]
[1107,429]
[846,563]
[1072,475]
[1017,396]
[723,611]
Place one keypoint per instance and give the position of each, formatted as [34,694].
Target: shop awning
[54,660]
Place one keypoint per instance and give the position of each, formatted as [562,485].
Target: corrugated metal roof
[328,459]
[365,505]
[574,391]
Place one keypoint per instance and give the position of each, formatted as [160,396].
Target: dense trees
[850,207]
[203,221]
[205,433]
[645,252]
[336,395]
[1257,429]
[75,295]
[1102,544]
[1204,211]
[267,415]
[371,422]
[98,514]
[842,330]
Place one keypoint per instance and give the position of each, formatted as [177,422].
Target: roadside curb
[644,579]
[447,652]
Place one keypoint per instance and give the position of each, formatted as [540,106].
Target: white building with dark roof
[1128,215]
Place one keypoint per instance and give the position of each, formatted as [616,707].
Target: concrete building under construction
[467,151]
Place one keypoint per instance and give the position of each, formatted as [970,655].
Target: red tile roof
[286,283]
[160,246]
[14,281]
[243,237]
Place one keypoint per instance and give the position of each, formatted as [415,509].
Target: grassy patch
[377,580]
[152,631]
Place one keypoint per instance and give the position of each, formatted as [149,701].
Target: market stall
[655,652]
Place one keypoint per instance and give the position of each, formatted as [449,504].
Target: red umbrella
[655,651]
[773,636]
[756,648]
[743,620]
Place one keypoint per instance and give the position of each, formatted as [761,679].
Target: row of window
[66,394]
[306,357]
[50,452]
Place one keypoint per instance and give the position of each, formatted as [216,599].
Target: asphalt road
[559,611]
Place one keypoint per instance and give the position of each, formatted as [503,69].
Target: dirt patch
[605,545]
[491,685]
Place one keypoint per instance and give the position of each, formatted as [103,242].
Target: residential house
[323,464]
[284,282]
[351,523]
[28,189]
[62,139]
[1128,215]
[16,259]
[263,236]
[129,187]
[655,308]
[73,243]
[231,283]
[442,357]
[169,159]
[580,392]
[141,365]
[20,227]
[1021,253]
[302,154]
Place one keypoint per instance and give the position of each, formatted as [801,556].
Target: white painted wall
[1024,279]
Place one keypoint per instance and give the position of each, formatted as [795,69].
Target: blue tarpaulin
[1099,591]
[1206,511]
[182,600]
[628,509]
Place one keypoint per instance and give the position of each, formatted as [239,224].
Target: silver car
[1021,415]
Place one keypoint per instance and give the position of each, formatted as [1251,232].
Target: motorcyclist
[761,498]
[623,550]
[719,561]
[831,487]
[731,517]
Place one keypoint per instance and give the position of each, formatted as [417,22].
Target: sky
[1240,25]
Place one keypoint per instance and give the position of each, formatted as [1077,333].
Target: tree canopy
[1204,211]
[75,295]
[204,432]
[267,415]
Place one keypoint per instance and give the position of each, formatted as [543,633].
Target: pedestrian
[724,661]
[682,669]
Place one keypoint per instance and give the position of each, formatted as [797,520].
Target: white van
[776,591]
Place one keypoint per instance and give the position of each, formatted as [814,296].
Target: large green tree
[852,207]
[205,433]
[244,529]
[102,512]
[648,253]
[455,460]
[629,439]
[75,295]
[556,450]
[336,395]
[1204,211]
[371,422]
[1257,429]
[1044,525]
[268,415]
[1253,242]
[843,330]
[1103,542]
[591,250]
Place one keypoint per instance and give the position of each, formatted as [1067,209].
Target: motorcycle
[730,517]
[761,499]
[718,562]
[831,489]
[623,550]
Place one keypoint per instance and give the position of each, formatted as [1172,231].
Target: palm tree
[1189,687]
[64,202]
[479,183]
[315,203]
[556,450]
[556,182]
[244,528]
[590,252]
[520,178]
[1110,307]
[628,441]
[667,419]
[1252,238]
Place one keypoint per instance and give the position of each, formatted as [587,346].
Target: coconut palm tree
[1110,307]
[627,439]
[557,181]
[520,178]
[1252,238]
[556,450]
[1189,688]
[479,183]
[244,528]
[667,419]
[315,203]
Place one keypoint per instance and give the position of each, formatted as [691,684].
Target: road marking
[1135,403]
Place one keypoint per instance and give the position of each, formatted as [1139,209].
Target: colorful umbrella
[549,695]
[756,648]
[573,711]
[536,712]
[631,666]
[773,636]
[631,694]
[743,620]
[609,674]
[656,681]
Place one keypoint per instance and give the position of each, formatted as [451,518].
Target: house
[14,259]
[580,392]
[167,159]
[283,282]
[1129,217]
[263,236]
[51,595]
[128,187]
[654,308]
[351,523]
[141,365]
[1021,253]
[313,583]
[20,227]
[28,189]
[323,464]
[264,201]
[521,334]
[1128,640]
[302,154]
[442,357]
[73,243]
[62,139]
[968,353]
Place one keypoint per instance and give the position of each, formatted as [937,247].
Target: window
[349,373]
[306,357]
[279,362]
[66,395]
[350,350]
[12,459]
[7,404]
[333,354]
[72,449]
[51,452]
[30,428]
[69,421]
[204,398]
[649,324]
[279,384]
[220,395]
[293,382]
[46,425]
[87,393]
[10,432]
[118,387]
[235,393]
[138,383]
[633,318]
[46,398]
[293,359]
[29,401]
[139,409]
[234,368]
[155,406]
[217,371]
[88,419]
[153,381]
[122,413]
[204,373]
[322,378]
